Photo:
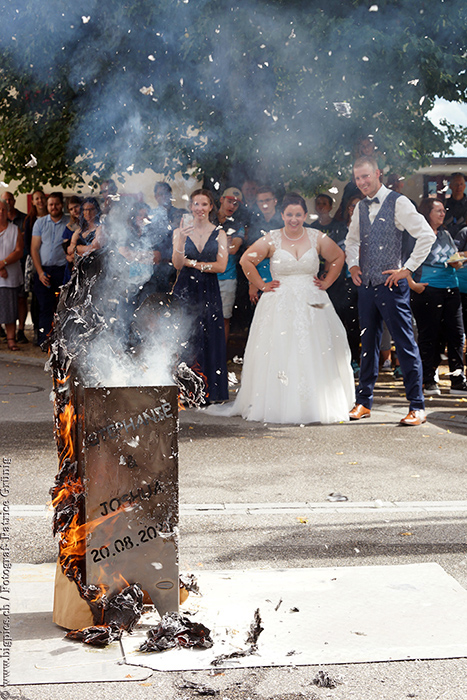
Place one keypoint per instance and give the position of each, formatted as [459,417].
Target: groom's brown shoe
[359,411]
[414,418]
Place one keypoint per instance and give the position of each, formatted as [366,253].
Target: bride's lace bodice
[283,263]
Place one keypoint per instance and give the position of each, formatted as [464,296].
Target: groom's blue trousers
[392,305]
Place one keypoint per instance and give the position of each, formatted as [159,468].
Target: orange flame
[73,542]
[62,381]
[66,421]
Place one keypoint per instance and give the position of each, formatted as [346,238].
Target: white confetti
[333,190]
[232,377]
[373,8]
[151,57]
[238,360]
[343,109]
[130,168]
[85,19]
[31,163]
[147,90]
[413,82]
[365,58]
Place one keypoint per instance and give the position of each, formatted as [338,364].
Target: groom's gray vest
[380,241]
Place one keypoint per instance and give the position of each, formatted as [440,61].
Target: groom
[374,257]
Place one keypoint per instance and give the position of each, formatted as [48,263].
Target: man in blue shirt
[49,260]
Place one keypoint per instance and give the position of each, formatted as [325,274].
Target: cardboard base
[310,616]
[70,610]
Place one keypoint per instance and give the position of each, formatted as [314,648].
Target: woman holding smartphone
[199,253]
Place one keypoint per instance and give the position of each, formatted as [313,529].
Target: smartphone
[187,220]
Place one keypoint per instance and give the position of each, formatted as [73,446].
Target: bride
[297,361]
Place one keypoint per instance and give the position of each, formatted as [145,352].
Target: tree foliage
[281,89]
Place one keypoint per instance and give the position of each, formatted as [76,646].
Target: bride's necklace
[294,240]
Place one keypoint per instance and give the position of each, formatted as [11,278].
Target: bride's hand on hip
[321,283]
[271,286]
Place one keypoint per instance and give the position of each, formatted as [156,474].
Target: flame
[66,421]
[73,542]
[62,381]
[197,369]
[122,580]
[69,488]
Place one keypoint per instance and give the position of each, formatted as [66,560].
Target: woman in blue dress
[199,253]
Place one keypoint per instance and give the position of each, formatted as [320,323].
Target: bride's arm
[334,257]
[261,249]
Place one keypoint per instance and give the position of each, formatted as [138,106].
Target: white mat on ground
[345,615]
[40,654]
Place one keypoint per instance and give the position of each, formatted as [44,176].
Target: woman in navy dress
[199,253]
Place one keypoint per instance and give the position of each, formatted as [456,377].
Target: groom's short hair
[366,160]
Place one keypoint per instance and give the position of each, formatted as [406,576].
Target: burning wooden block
[125,444]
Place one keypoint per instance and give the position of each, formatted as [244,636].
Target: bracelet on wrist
[182,252]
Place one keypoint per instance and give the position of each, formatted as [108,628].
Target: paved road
[254,495]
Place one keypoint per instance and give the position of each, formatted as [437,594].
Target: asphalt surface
[255,496]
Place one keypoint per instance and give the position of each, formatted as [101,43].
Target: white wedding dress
[297,360]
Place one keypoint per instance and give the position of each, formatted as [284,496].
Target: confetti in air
[343,109]
[31,163]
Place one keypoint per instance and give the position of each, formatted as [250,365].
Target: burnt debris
[96,636]
[67,496]
[174,630]
[324,680]
[111,616]
[190,385]
[252,639]
[199,688]
[190,583]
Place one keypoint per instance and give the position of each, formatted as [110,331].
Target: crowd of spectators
[53,233]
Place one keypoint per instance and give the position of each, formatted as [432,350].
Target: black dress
[199,296]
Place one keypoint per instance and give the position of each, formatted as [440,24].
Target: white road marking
[35,511]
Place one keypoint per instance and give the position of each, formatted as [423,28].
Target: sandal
[12,344]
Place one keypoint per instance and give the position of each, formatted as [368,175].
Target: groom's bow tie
[367,201]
